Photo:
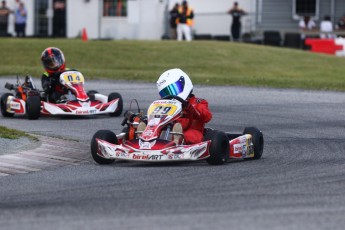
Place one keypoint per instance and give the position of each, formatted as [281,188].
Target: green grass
[12,133]
[213,63]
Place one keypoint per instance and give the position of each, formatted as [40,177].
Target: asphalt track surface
[298,184]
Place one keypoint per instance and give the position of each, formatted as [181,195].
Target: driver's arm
[204,111]
[199,110]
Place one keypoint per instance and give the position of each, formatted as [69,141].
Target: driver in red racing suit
[195,114]
[53,62]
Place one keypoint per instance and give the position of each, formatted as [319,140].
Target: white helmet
[174,82]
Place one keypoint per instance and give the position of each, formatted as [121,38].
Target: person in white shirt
[326,28]
[307,23]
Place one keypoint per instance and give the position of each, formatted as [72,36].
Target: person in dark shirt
[4,13]
[236,12]
[341,23]
[53,61]
[173,21]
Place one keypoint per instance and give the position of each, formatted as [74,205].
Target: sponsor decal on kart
[250,152]
[14,105]
[244,151]
[174,156]
[80,112]
[238,148]
[87,105]
[242,147]
[196,153]
[154,122]
[146,157]
[148,132]
[122,154]
[146,144]
[172,102]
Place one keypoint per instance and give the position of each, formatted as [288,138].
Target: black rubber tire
[91,94]
[258,141]
[219,148]
[33,107]
[105,135]
[3,105]
[119,109]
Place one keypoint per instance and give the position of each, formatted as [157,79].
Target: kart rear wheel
[258,141]
[219,148]
[3,105]
[91,94]
[33,107]
[105,135]
[119,108]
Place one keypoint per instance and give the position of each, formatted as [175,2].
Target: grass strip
[206,62]
[12,133]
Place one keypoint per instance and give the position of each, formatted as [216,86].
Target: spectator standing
[185,22]
[13,5]
[326,28]
[4,13]
[306,24]
[59,19]
[236,12]
[173,21]
[20,20]
[341,23]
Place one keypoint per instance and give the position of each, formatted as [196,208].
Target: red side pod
[17,106]
[235,148]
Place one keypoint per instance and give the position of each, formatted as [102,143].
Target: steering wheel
[183,102]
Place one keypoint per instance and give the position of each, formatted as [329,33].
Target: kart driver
[53,62]
[195,114]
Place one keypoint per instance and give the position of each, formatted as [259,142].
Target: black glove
[46,86]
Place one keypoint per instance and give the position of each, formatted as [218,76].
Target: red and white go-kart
[156,144]
[28,100]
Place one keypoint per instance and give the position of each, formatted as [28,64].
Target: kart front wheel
[107,136]
[219,148]
[257,139]
[3,105]
[33,107]
[119,108]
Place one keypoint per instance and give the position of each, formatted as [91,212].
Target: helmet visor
[173,89]
[52,63]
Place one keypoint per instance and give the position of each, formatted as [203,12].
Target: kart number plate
[72,77]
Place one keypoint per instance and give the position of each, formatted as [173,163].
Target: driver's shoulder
[198,100]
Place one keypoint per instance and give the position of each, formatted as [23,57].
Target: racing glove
[46,86]
[192,112]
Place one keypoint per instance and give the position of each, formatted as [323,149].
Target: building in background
[125,19]
[147,19]
[283,15]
